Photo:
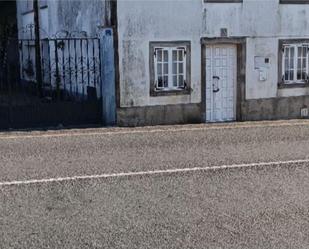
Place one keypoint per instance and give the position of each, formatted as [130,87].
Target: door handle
[215,86]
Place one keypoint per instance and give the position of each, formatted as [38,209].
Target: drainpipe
[38,57]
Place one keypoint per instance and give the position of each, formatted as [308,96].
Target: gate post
[108,88]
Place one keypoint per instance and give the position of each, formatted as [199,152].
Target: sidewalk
[63,131]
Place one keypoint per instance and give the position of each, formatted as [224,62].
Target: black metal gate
[70,90]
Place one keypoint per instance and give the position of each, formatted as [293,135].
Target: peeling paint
[79,15]
[263,22]
[134,67]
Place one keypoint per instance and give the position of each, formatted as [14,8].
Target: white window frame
[295,63]
[170,74]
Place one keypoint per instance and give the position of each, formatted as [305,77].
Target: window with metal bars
[295,63]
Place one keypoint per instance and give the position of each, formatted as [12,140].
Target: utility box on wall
[262,64]
[263,75]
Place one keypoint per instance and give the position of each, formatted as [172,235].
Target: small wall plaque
[261,62]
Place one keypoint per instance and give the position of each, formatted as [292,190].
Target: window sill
[292,85]
[185,91]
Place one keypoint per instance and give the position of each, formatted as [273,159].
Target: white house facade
[192,61]
[248,60]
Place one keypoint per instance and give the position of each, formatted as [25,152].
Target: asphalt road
[166,206]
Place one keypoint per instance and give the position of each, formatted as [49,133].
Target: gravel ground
[257,207]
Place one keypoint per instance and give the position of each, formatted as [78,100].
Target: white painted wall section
[263,22]
[143,21]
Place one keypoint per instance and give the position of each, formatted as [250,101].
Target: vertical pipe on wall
[114,24]
[38,56]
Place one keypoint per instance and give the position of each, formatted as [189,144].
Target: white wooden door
[221,77]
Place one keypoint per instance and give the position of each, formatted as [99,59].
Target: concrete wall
[72,16]
[263,22]
[68,15]
[159,115]
[140,22]
[76,15]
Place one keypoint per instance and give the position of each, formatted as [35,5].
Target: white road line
[176,129]
[150,173]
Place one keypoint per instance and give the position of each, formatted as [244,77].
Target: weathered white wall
[139,23]
[69,15]
[263,22]
[65,15]
[76,15]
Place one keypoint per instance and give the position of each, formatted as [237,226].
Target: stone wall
[159,115]
[274,108]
